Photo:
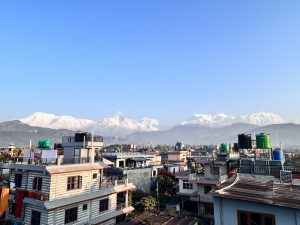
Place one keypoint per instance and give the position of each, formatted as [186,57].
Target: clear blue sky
[163,59]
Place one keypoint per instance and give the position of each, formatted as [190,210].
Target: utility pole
[157,192]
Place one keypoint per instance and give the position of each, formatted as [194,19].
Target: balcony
[121,206]
[197,197]
[112,183]
[38,195]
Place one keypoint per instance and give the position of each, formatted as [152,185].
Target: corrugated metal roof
[259,188]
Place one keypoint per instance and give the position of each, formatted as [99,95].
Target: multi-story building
[196,188]
[139,168]
[66,191]
[177,156]
[256,199]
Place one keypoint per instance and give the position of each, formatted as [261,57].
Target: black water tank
[79,137]
[245,141]
[236,147]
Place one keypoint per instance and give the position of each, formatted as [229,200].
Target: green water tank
[44,143]
[263,141]
[191,165]
[224,147]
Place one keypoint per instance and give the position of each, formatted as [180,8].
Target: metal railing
[268,169]
[38,195]
[121,206]
[112,183]
[76,160]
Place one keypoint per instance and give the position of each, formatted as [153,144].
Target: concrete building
[139,168]
[256,199]
[65,191]
[177,156]
[172,169]
[196,188]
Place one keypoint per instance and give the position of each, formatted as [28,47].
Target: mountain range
[120,125]
[117,125]
[202,129]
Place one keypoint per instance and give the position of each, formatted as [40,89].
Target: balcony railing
[112,183]
[269,169]
[47,161]
[196,196]
[121,206]
[37,195]
[78,160]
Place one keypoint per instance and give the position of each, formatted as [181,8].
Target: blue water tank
[278,155]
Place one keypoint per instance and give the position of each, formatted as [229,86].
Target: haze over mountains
[201,129]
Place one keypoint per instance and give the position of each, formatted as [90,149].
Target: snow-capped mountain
[221,119]
[116,125]
[53,121]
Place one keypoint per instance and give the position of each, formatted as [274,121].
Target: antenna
[92,147]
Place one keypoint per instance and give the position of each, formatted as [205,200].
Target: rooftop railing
[46,161]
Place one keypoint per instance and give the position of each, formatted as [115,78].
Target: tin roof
[259,188]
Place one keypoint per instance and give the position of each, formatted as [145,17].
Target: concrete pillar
[126,199]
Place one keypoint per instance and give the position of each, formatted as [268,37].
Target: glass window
[255,218]
[74,182]
[35,217]
[187,185]
[103,205]
[37,183]
[71,215]
[84,207]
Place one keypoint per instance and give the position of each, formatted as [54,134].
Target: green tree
[147,203]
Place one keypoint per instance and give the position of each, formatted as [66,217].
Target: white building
[66,191]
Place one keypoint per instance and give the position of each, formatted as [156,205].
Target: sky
[160,59]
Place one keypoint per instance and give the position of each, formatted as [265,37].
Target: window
[74,183]
[95,176]
[37,183]
[84,207]
[71,215]
[35,217]
[103,205]
[215,170]
[121,197]
[121,163]
[18,180]
[207,189]
[187,185]
[245,218]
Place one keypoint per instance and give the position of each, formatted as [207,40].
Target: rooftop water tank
[44,143]
[263,141]
[244,141]
[278,155]
[224,147]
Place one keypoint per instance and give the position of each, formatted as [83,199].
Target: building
[177,156]
[256,199]
[196,188]
[65,190]
[172,169]
[139,168]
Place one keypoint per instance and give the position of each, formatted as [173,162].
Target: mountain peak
[116,125]
[221,119]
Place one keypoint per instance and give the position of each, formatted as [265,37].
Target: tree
[147,203]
